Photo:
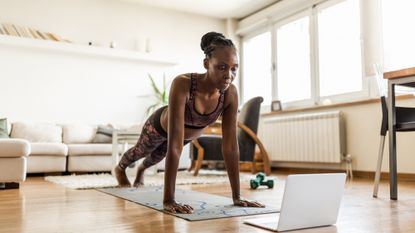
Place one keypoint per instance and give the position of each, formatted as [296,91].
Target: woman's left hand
[247,203]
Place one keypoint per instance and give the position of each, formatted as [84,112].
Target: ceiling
[222,9]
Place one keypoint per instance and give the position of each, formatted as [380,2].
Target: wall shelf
[100,52]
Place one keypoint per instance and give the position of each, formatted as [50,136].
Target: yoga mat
[206,206]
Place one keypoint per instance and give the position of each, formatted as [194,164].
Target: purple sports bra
[195,120]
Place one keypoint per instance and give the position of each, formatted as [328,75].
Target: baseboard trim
[360,174]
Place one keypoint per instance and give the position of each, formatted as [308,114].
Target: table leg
[393,181]
[114,150]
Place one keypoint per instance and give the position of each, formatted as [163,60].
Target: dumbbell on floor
[260,180]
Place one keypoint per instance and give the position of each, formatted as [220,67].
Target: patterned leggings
[152,144]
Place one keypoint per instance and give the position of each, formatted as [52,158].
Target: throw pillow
[3,128]
[103,135]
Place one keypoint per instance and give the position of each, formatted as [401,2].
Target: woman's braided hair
[211,40]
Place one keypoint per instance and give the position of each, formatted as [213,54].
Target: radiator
[313,137]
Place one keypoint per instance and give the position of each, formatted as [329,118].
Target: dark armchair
[209,147]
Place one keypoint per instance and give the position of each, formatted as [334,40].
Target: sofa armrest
[13,147]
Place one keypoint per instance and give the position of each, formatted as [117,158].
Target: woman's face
[222,66]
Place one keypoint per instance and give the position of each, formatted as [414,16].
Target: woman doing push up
[195,101]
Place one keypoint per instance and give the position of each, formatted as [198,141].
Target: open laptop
[309,200]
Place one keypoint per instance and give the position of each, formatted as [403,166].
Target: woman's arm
[230,148]
[177,101]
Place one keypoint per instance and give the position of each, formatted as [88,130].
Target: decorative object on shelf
[160,94]
[276,106]
[113,44]
[149,46]
[83,49]
[20,31]
[140,44]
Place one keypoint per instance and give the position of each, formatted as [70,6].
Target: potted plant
[160,95]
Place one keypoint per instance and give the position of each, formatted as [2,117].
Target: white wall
[363,137]
[49,86]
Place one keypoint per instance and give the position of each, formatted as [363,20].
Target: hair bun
[208,38]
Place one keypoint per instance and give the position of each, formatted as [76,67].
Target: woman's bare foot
[139,180]
[121,177]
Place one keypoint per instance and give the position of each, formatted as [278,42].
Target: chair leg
[253,167]
[379,166]
[197,168]
[192,165]
[200,155]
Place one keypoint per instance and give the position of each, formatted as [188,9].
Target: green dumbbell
[260,180]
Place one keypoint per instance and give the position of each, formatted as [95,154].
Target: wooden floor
[40,206]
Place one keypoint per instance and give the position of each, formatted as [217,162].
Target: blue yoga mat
[206,206]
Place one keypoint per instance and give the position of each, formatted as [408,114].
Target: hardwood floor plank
[40,206]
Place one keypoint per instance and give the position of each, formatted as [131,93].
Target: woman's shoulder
[183,77]
[232,90]
[231,95]
[182,82]
[188,76]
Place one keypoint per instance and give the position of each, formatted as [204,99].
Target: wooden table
[404,77]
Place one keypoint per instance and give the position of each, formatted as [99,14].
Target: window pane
[340,64]
[293,61]
[257,80]
[398,34]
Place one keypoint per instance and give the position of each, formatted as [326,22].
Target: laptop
[309,200]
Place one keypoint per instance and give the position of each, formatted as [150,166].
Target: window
[317,56]
[293,61]
[340,62]
[257,79]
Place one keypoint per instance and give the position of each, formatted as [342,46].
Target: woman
[195,101]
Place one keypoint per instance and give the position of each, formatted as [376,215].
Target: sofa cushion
[103,135]
[128,128]
[90,163]
[41,132]
[12,147]
[78,134]
[4,133]
[9,128]
[89,149]
[46,148]
[47,163]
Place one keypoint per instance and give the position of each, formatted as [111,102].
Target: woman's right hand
[174,207]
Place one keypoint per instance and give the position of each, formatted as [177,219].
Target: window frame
[248,36]
[316,99]
[278,24]
[350,96]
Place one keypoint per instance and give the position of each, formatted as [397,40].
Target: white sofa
[83,154]
[48,152]
[70,148]
[13,154]
[63,148]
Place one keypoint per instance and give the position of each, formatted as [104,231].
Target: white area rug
[105,180]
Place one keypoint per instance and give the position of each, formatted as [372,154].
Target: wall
[363,139]
[50,86]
